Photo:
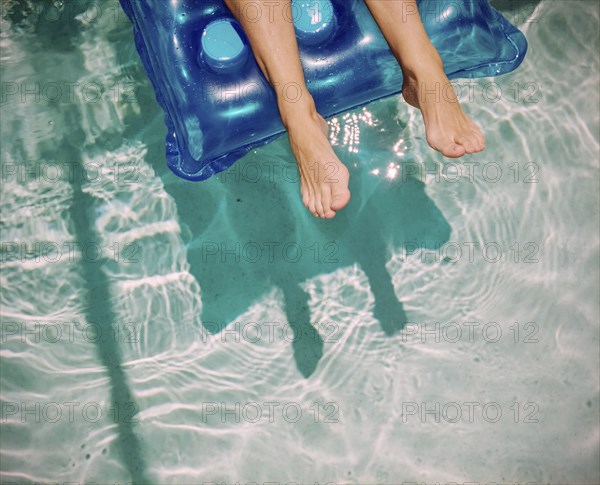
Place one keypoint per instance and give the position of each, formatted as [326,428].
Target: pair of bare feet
[324,178]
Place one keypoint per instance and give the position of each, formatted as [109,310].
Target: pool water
[443,328]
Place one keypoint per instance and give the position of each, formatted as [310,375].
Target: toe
[306,199]
[480,142]
[340,194]
[477,138]
[319,205]
[475,143]
[339,199]
[326,201]
[311,203]
[470,146]
[453,150]
[446,145]
[467,141]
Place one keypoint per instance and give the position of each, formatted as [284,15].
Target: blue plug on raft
[218,105]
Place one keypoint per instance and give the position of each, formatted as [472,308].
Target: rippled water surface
[443,328]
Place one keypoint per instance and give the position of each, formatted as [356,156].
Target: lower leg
[323,178]
[426,86]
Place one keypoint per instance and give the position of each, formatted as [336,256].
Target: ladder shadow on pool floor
[61,37]
[99,311]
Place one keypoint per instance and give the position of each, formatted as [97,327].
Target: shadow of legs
[307,343]
[388,310]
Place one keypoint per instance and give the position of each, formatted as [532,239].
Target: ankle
[423,66]
[298,110]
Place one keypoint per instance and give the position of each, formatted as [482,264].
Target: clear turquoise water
[160,331]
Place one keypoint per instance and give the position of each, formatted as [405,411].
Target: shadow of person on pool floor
[250,233]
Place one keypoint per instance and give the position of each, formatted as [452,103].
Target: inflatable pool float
[218,105]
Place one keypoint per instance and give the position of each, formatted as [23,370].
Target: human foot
[449,130]
[323,178]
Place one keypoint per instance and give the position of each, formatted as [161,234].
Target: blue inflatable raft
[218,106]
